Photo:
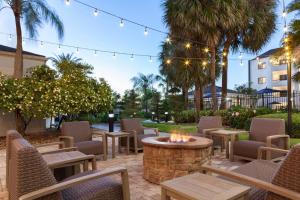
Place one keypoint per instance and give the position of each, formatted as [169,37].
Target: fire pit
[168,157]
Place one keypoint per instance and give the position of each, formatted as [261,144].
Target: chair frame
[135,138]
[253,181]
[269,140]
[69,140]
[70,183]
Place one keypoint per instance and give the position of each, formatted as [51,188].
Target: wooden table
[119,135]
[70,158]
[227,135]
[202,187]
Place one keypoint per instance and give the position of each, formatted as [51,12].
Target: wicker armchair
[210,123]
[269,180]
[263,132]
[133,126]
[80,135]
[30,178]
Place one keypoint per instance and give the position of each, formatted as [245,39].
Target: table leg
[227,146]
[127,145]
[94,165]
[119,144]
[106,140]
[113,147]
[85,165]
[232,140]
[164,195]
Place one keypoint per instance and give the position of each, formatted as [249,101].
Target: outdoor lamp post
[153,116]
[111,117]
[166,116]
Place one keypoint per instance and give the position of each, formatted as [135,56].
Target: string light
[168,39]
[68,2]
[285,29]
[10,37]
[168,61]
[131,57]
[150,59]
[187,62]
[223,63]
[284,14]
[204,63]
[95,53]
[206,50]
[77,50]
[241,63]
[146,31]
[59,47]
[23,41]
[114,55]
[96,12]
[42,44]
[122,23]
[241,55]
[188,45]
[224,53]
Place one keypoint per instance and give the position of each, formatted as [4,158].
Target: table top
[64,157]
[117,134]
[202,187]
[226,132]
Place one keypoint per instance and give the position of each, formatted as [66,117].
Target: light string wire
[114,53]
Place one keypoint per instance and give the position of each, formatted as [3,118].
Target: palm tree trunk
[186,97]
[225,74]
[201,98]
[197,98]
[213,79]
[18,68]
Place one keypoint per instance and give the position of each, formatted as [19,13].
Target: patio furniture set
[64,173]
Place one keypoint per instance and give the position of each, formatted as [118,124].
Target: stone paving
[140,189]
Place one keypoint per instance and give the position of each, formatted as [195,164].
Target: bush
[186,116]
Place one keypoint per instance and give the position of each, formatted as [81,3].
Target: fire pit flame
[179,138]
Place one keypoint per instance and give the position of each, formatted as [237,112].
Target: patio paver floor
[140,189]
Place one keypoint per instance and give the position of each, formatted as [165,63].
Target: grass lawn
[192,128]
[295,116]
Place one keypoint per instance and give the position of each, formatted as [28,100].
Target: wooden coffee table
[119,135]
[70,158]
[202,187]
[227,135]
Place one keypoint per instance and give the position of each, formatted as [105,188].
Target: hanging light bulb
[42,44]
[168,39]
[96,12]
[59,47]
[223,63]
[224,53]
[146,31]
[206,50]
[168,61]
[241,55]
[188,45]
[114,55]
[286,39]
[285,28]
[204,63]
[241,63]
[68,2]
[77,50]
[23,41]
[122,23]
[95,53]
[284,14]
[150,59]
[10,37]
[131,57]
[286,48]
[187,62]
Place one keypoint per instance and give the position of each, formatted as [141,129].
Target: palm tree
[205,19]
[33,14]
[251,32]
[144,83]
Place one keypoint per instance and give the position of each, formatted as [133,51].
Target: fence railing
[274,100]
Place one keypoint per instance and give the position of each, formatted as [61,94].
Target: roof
[13,50]
[268,53]
[218,90]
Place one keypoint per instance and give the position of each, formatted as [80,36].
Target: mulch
[36,138]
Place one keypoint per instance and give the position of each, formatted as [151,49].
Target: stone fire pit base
[164,162]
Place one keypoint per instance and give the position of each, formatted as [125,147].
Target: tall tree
[144,83]
[33,13]
[206,19]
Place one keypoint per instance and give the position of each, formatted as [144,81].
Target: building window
[262,65]
[279,75]
[262,80]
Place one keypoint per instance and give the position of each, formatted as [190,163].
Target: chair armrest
[273,137]
[60,144]
[60,150]
[154,129]
[98,132]
[254,182]
[269,149]
[102,134]
[133,132]
[70,183]
[68,140]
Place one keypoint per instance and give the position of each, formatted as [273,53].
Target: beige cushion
[90,147]
[80,130]
[132,125]
[209,122]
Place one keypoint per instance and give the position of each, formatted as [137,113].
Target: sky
[103,32]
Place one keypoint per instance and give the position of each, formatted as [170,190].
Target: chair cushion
[217,140]
[142,136]
[90,147]
[80,130]
[249,149]
[132,125]
[208,122]
[98,189]
[259,169]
